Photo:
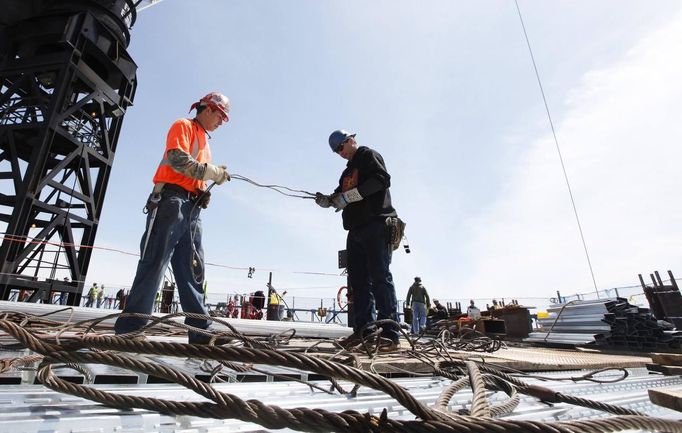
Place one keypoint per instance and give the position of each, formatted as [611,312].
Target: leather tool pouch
[152,202]
[396,231]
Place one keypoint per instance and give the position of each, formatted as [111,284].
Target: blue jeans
[172,234]
[418,317]
[369,257]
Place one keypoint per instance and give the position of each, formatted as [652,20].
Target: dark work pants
[369,275]
[172,234]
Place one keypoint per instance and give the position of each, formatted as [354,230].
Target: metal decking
[29,407]
[33,408]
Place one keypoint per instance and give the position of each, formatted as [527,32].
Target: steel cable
[304,419]
[277,188]
[546,394]
[479,405]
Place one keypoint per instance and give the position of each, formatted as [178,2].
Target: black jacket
[366,171]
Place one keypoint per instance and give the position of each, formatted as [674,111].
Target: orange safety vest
[188,136]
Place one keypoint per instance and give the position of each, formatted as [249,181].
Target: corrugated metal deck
[33,408]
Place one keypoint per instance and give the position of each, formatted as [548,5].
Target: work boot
[350,342]
[197,338]
[389,346]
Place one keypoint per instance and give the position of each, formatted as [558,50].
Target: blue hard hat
[337,137]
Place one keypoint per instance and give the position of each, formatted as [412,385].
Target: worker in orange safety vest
[173,231]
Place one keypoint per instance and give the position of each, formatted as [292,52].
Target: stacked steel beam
[634,327]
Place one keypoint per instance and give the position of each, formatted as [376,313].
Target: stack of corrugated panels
[573,324]
[612,323]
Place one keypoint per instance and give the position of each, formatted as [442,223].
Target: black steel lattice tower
[66,81]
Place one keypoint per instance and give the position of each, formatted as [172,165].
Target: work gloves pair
[216,173]
[338,200]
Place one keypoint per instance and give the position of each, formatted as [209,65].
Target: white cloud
[619,134]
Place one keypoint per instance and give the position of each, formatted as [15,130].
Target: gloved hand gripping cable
[220,175]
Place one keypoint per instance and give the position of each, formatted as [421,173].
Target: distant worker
[440,311]
[63,297]
[472,311]
[420,301]
[92,295]
[173,230]
[274,303]
[495,306]
[364,197]
[100,296]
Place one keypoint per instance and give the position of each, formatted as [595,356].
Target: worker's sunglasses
[339,148]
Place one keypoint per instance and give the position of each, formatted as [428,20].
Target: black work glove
[204,198]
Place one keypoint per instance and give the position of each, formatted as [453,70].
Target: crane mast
[66,82]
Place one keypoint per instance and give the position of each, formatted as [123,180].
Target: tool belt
[179,191]
[396,231]
[155,196]
[202,198]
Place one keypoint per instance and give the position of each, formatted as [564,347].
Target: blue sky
[445,91]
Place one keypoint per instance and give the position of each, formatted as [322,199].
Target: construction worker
[472,311]
[275,305]
[364,198]
[440,311]
[173,230]
[420,303]
[100,296]
[63,297]
[92,295]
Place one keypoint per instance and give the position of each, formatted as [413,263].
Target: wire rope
[558,148]
[277,188]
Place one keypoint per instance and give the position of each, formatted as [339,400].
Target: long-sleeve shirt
[418,293]
[366,171]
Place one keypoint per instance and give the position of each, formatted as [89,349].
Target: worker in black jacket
[364,198]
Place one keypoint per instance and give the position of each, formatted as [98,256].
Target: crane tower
[66,82]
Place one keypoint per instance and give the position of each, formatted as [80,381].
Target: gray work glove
[322,200]
[341,199]
[217,174]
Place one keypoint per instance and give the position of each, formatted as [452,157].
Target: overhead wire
[28,239]
[558,148]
